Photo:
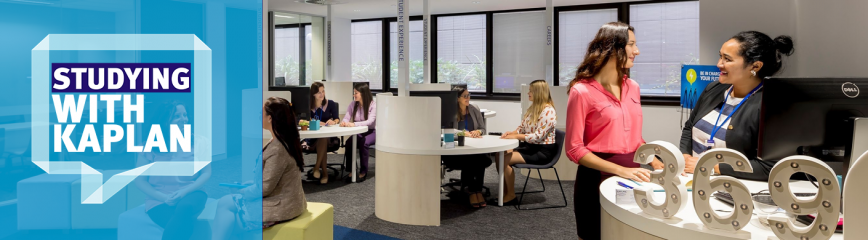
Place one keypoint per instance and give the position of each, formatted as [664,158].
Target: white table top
[486,144]
[332,131]
[686,224]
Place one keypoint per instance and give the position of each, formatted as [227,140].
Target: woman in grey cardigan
[472,167]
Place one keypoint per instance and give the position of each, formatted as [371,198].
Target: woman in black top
[469,119]
[727,113]
[327,112]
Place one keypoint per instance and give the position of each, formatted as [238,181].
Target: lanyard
[717,128]
[465,123]
[318,116]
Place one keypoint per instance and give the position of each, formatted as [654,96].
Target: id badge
[709,144]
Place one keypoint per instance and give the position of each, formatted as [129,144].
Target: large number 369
[825,204]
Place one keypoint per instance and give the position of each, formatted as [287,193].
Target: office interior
[496,48]
[505,41]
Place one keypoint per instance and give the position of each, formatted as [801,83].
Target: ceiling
[363,9]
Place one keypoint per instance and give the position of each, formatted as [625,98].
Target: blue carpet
[349,233]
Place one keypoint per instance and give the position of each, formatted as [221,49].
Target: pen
[624,185]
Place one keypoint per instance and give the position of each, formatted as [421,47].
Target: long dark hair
[283,124]
[759,47]
[610,41]
[314,89]
[365,91]
[460,88]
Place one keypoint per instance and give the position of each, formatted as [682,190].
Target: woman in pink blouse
[537,131]
[604,122]
[362,112]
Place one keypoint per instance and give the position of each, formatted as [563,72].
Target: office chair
[455,182]
[559,141]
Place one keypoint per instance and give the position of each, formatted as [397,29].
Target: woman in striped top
[729,109]
[537,131]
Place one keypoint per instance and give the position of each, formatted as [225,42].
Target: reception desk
[627,221]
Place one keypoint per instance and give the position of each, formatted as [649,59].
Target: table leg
[500,173]
[355,155]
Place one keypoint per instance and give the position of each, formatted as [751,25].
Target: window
[667,36]
[461,50]
[519,49]
[286,56]
[417,73]
[575,30]
[367,53]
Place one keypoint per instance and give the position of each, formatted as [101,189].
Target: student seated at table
[472,167]
[537,136]
[361,112]
[281,194]
[327,112]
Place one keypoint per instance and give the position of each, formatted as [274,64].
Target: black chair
[559,141]
[456,183]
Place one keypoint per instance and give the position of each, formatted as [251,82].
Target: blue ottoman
[44,201]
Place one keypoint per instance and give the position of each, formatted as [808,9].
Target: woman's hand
[689,163]
[476,134]
[175,197]
[348,124]
[635,174]
[508,136]
[330,122]
[657,164]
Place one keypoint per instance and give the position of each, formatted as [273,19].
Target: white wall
[341,50]
[720,20]
[830,38]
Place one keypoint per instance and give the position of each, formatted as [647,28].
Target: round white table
[627,221]
[408,182]
[337,131]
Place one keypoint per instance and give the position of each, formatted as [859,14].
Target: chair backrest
[559,142]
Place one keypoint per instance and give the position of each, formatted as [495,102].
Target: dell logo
[850,89]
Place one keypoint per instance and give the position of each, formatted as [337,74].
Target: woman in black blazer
[327,112]
[729,109]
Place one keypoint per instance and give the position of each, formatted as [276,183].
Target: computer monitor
[300,99]
[448,105]
[813,117]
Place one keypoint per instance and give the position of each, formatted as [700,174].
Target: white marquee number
[704,186]
[676,192]
[826,204]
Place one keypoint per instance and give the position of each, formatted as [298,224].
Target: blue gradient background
[233,31]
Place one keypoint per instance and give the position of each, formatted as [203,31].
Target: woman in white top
[537,133]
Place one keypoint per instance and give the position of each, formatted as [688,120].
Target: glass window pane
[367,53]
[286,56]
[461,51]
[576,30]
[519,50]
[416,52]
[667,36]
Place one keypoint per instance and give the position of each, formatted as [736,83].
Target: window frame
[623,9]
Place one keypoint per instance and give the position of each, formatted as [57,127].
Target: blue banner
[120,119]
[694,78]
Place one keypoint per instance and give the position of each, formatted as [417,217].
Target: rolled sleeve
[576,112]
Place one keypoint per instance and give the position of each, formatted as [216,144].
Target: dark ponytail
[284,126]
[759,47]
